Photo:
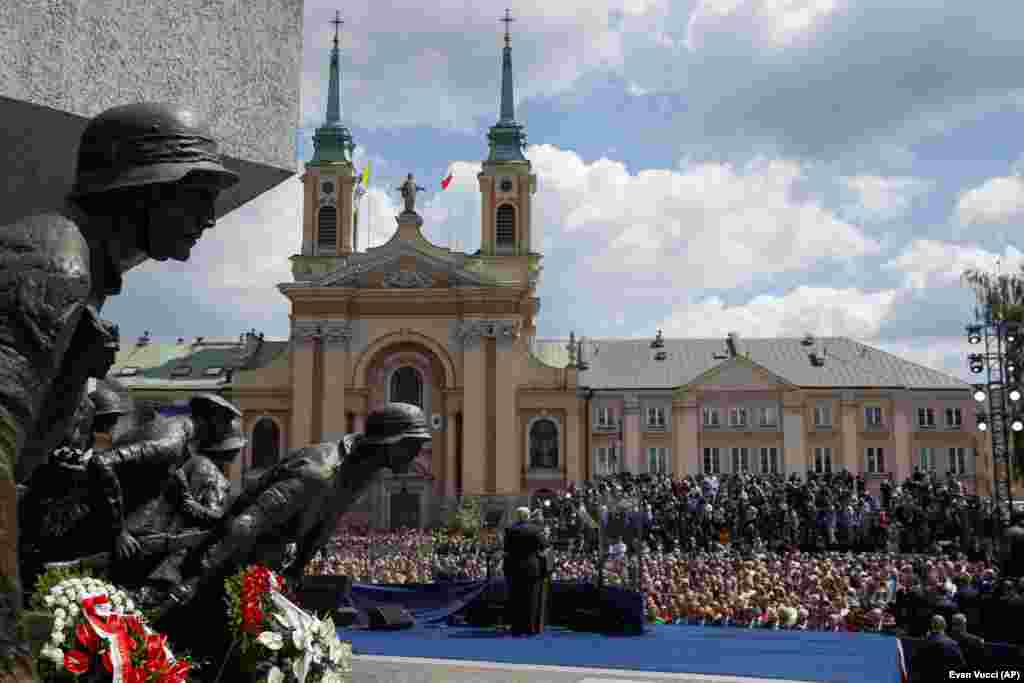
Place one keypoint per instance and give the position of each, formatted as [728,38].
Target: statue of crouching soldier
[299,500]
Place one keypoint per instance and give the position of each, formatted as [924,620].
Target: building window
[605,417]
[712,461]
[873,416]
[925,417]
[823,415]
[954,418]
[927,460]
[768,416]
[770,460]
[266,439]
[406,387]
[876,460]
[327,230]
[958,461]
[737,417]
[655,417]
[657,460]
[740,460]
[606,461]
[544,445]
[505,224]
[823,460]
[711,417]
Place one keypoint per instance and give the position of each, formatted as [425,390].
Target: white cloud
[820,310]
[656,229]
[885,197]
[771,23]
[928,263]
[997,200]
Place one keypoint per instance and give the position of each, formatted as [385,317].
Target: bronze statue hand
[126,546]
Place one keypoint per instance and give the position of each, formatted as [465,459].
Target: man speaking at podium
[525,567]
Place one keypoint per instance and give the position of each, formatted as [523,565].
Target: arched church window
[265,443]
[544,445]
[327,229]
[506,226]
[406,387]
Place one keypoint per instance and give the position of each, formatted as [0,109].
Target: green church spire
[506,137]
[332,142]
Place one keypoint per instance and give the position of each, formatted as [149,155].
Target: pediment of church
[738,373]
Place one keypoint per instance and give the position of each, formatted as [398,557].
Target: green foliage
[468,518]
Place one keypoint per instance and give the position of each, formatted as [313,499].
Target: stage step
[376,669]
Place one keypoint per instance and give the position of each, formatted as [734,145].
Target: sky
[769,167]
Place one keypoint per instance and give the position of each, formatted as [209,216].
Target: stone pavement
[374,669]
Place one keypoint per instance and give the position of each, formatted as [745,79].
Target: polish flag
[447,180]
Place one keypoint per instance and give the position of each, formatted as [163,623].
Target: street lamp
[974,334]
[977,362]
[979,394]
[982,422]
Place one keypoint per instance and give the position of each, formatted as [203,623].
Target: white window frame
[875,456]
[770,460]
[954,418]
[870,413]
[926,458]
[658,457]
[658,415]
[768,416]
[606,460]
[712,461]
[605,417]
[926,417]
[823,415]
[823,460]
[712,418]
[738,416]
[957,460]
[740,456]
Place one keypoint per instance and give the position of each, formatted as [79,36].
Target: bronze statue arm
[205,501]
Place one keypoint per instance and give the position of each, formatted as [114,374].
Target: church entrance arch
[266,440]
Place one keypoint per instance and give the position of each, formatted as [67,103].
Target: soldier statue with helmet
[146,181]
[299,500]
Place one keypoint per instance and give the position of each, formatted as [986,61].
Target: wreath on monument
[97,634]
[279,641]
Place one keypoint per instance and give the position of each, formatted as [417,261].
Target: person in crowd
[972,646]
[941,655]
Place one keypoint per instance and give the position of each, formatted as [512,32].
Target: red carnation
[76,661]
[87,636]
[155,647]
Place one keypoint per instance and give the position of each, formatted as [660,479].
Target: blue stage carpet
[792,655]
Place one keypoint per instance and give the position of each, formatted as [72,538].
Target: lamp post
[1001,362]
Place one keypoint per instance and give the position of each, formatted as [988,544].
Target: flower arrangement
[98,634]
[277,637]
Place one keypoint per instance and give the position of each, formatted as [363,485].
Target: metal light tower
[1001,362]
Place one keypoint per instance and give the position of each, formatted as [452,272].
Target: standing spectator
[972,646]
[939,657]
[525,569]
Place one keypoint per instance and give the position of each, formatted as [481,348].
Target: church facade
[513,416]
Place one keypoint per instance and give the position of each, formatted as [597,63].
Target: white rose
[275,675]
[73,610]
[57,637]
[129,605]
[52,653]
[270,640]
[63,601]
[60,613]
[49,600]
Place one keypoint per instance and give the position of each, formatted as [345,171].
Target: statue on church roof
[409,189]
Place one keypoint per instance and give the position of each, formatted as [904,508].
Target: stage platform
[458,654]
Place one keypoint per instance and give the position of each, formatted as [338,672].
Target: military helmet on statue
[234,439]
[147,143]
[111,398]
[205,401]
[394,422]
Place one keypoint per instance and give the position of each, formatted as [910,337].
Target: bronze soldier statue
[146,181]
[299,500]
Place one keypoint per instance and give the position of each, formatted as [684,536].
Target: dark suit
[972,647]
[937,658]
[525,570]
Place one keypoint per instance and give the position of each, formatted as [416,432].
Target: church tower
[328,184]
[506,181]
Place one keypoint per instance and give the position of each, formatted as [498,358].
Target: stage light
[1011,332]
[982,422]
[1015,394]
[974,334]
[1017,425]
[980,395]
[977,362]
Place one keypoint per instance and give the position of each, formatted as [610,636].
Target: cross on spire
[507,19]
[337,25]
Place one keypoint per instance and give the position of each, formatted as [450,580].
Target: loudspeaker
[388,618]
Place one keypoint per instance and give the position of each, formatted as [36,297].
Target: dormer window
[213,372]
[181,371]
[128,371]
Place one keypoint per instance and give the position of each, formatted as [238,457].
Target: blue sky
[770,167]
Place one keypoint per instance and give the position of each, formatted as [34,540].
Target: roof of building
[197,364]
[630,363]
